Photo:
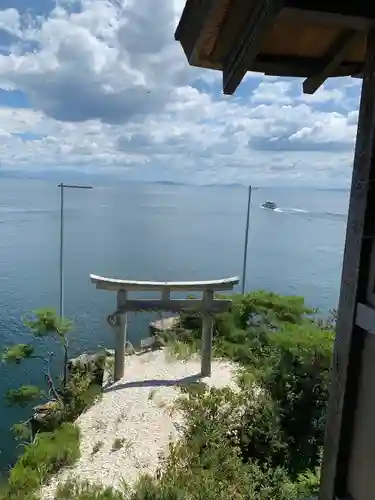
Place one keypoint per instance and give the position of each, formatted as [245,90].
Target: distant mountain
[173,183]
[169,183]
[232,185]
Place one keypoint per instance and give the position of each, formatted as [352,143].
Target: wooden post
[350,337]
[207,329]
[121,326]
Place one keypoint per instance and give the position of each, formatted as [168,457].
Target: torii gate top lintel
[114,284]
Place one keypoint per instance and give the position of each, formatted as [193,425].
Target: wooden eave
[302,38]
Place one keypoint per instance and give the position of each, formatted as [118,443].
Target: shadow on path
[153,383]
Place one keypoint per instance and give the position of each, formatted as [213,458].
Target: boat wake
[309,214]
[291,210]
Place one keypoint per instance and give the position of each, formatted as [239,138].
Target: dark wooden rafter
[300,66]
[298,15]
[235,21]
[247,47]
[349,335]
[194,16]
[332,60]
[360,8]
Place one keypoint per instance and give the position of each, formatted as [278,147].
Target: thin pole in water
[246,241]
[61,308]
[62,186]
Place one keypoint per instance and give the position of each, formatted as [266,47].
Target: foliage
[181,350]
[298,384]
[22,431]
[41,458]
[286,353]
[261,441]
[56,441]
[23,395]
[18,352]
[75,490]
[97,446]
[268,309]
[118,443]
[242,333]
[43,323]
[79,394]
[65,401]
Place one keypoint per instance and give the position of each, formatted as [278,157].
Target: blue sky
[101,87]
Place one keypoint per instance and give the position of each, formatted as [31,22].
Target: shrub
[43,457]
[118,443]
[75,490]
[97,446]
[79,394]
[299,385]
[242,333]
[268,309]
[261,436]
[289,353]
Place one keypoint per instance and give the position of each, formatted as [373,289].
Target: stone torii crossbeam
[206,306]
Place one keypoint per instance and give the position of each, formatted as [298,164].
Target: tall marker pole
[62,186]
[246,241]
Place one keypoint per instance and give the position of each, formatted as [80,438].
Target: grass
[97,446]
[43,457]
[76,490]
[99,425]
[50,451]
[110,367]
[152,394]
[177,349]
[123,416]
[119,443]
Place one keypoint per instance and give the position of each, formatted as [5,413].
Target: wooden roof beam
[360,8]
[334,57]
[191,27]
[297,15]
[248,45]
[234,22]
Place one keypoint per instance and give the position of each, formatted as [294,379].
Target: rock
[152,343]
[89,363]
[46,416]
[129,349]
[164,324]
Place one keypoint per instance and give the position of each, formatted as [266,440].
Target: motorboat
[271,205]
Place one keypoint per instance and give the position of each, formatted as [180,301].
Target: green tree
[43,323]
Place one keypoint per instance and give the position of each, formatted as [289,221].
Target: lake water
[153,232]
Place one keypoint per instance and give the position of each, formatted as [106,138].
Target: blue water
[153,232]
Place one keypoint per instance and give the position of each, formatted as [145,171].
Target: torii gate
[206,306]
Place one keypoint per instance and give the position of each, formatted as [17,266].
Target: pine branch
[22,431]
[18,352]
[24,395]
[45,322]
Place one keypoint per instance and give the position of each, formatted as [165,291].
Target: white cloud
[110,88]
[10,21]
[270,92]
